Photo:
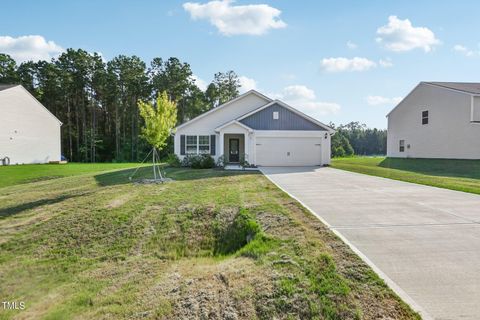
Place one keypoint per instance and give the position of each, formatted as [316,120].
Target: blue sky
[338,61]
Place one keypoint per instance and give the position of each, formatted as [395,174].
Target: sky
[338,61]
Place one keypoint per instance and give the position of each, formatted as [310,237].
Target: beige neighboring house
[436,120]
[253,127]
[29,133]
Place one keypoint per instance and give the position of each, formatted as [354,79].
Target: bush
[173,160]
[203,161]
[221,161]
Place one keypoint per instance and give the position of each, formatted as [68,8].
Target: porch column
[220,147]
[246,146]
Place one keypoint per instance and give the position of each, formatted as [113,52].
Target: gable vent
[275,115]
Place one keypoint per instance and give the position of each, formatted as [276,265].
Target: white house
[436,120]
[29,133]
[253,127]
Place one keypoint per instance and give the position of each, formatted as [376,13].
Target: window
[191,145]
[275,115]
[204,144]
[402,146]
[425,117]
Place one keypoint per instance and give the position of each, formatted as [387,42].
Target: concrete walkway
[424,241]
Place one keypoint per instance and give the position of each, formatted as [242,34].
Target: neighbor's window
[204,144]
[275,115]
[191,145]
[425,117]
[402,145]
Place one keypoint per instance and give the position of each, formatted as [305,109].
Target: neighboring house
[29,133]
[257,129]
[436,120]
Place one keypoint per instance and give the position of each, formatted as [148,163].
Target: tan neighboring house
[29,133]
[436,120]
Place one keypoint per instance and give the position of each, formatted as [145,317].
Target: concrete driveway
[424,241]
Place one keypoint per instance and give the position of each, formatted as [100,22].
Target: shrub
[203,161]
[221,161]
[173,160]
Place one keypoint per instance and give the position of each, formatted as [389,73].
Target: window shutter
[212,145]
[182,144]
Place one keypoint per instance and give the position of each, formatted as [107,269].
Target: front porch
[233,148]
[235,142]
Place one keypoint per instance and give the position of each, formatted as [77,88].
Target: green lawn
[461,175]
[11,175]
[96,246]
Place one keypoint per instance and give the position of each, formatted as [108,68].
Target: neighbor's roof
[7,86]
[468,87]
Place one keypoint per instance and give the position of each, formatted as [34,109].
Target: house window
[204,144]
[275,115]
[402,146]
[191,145]
[425,117]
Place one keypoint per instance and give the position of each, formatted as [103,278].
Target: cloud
[399,35]
[247,84]
[201,84]
[304,99]
[341,64]
[254,19]
[386,63]
[32,47]
[463,50]
[351,45]
[383,101]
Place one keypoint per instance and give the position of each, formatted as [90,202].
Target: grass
[460,175]
[211,244]
[12,175]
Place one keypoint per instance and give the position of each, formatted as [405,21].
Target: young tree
[159,122]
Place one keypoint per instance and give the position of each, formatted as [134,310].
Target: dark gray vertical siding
[287,120]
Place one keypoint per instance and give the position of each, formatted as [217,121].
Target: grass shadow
[13,210]
[436,167]
[179,174]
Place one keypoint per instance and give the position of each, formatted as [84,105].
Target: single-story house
[436,120]
[29,133]
[260,130]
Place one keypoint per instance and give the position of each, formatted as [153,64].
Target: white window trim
[197,144]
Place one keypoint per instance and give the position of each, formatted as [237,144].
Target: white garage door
[282,151]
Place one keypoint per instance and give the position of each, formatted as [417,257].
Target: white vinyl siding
[476,109]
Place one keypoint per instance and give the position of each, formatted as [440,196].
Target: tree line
[97,100]
[356,139]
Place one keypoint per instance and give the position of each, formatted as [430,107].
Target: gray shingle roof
[469,87]
[7,86]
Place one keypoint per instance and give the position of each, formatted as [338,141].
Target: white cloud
[32,47]
[463,50]
[201,84]
[383,101]
[386,63]
[341,64]
[304,99]
[351,45]
[399,35]
[253,19]
[247,84]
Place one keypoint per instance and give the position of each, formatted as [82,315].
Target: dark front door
[234,150]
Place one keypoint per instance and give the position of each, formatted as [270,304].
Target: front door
[233,150]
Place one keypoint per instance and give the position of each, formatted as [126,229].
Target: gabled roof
[288,107]
[223,106]
[217,129]
[468,87]
[7,86]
